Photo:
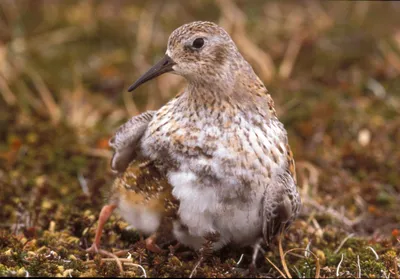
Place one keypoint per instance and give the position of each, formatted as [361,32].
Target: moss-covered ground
[333,69]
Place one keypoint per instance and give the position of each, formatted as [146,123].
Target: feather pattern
[126,139]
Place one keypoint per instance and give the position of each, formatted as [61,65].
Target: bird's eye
[198,43]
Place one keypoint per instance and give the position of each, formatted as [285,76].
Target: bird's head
[201,51]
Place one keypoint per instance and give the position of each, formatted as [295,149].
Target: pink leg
[105,213]
[151,244]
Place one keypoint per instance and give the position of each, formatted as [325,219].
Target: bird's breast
[217,147]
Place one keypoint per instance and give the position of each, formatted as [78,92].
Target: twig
[338,267]
[343,242]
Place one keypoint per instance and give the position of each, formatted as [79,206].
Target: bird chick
[144,199]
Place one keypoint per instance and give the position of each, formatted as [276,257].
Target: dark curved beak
[162,66]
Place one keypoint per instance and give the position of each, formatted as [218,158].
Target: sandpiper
[219,143]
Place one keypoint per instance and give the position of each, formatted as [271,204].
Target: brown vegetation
[333,69]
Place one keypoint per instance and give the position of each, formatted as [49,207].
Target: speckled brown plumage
[219,144]
[144,199]
[142,185]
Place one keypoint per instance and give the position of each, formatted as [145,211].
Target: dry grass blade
[373,251]
[282,256]
[323,20]
[52,39]
[139,266]
[96,152]
[390,55]
[113,258]
[83,184]
[280,271]
[309,174]
[27,95]
[195,268]
[234,17]
[343,242]
[6,92]
[317,265]
[338,266]
[337,102]
[129,103]
[333,213]
[359,267]
[45,94]
[120,262]
[290,57]
[240,260]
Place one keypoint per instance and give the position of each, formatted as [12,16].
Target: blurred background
[332,68]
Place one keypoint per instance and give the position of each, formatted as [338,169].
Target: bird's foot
[252,270]
[256,248]
[151,245]
[212,237]
[206,250]
[94,249]
[172,249]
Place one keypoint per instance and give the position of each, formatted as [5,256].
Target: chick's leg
[151,244]
[105,214]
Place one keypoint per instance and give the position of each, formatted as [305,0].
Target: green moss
[48,221]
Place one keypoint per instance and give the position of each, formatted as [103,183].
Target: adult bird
[219,143]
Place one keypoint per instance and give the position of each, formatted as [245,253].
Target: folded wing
[281,205]
[126,140]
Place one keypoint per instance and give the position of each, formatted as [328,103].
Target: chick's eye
[198,43]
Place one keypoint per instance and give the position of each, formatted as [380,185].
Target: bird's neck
[233,87]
